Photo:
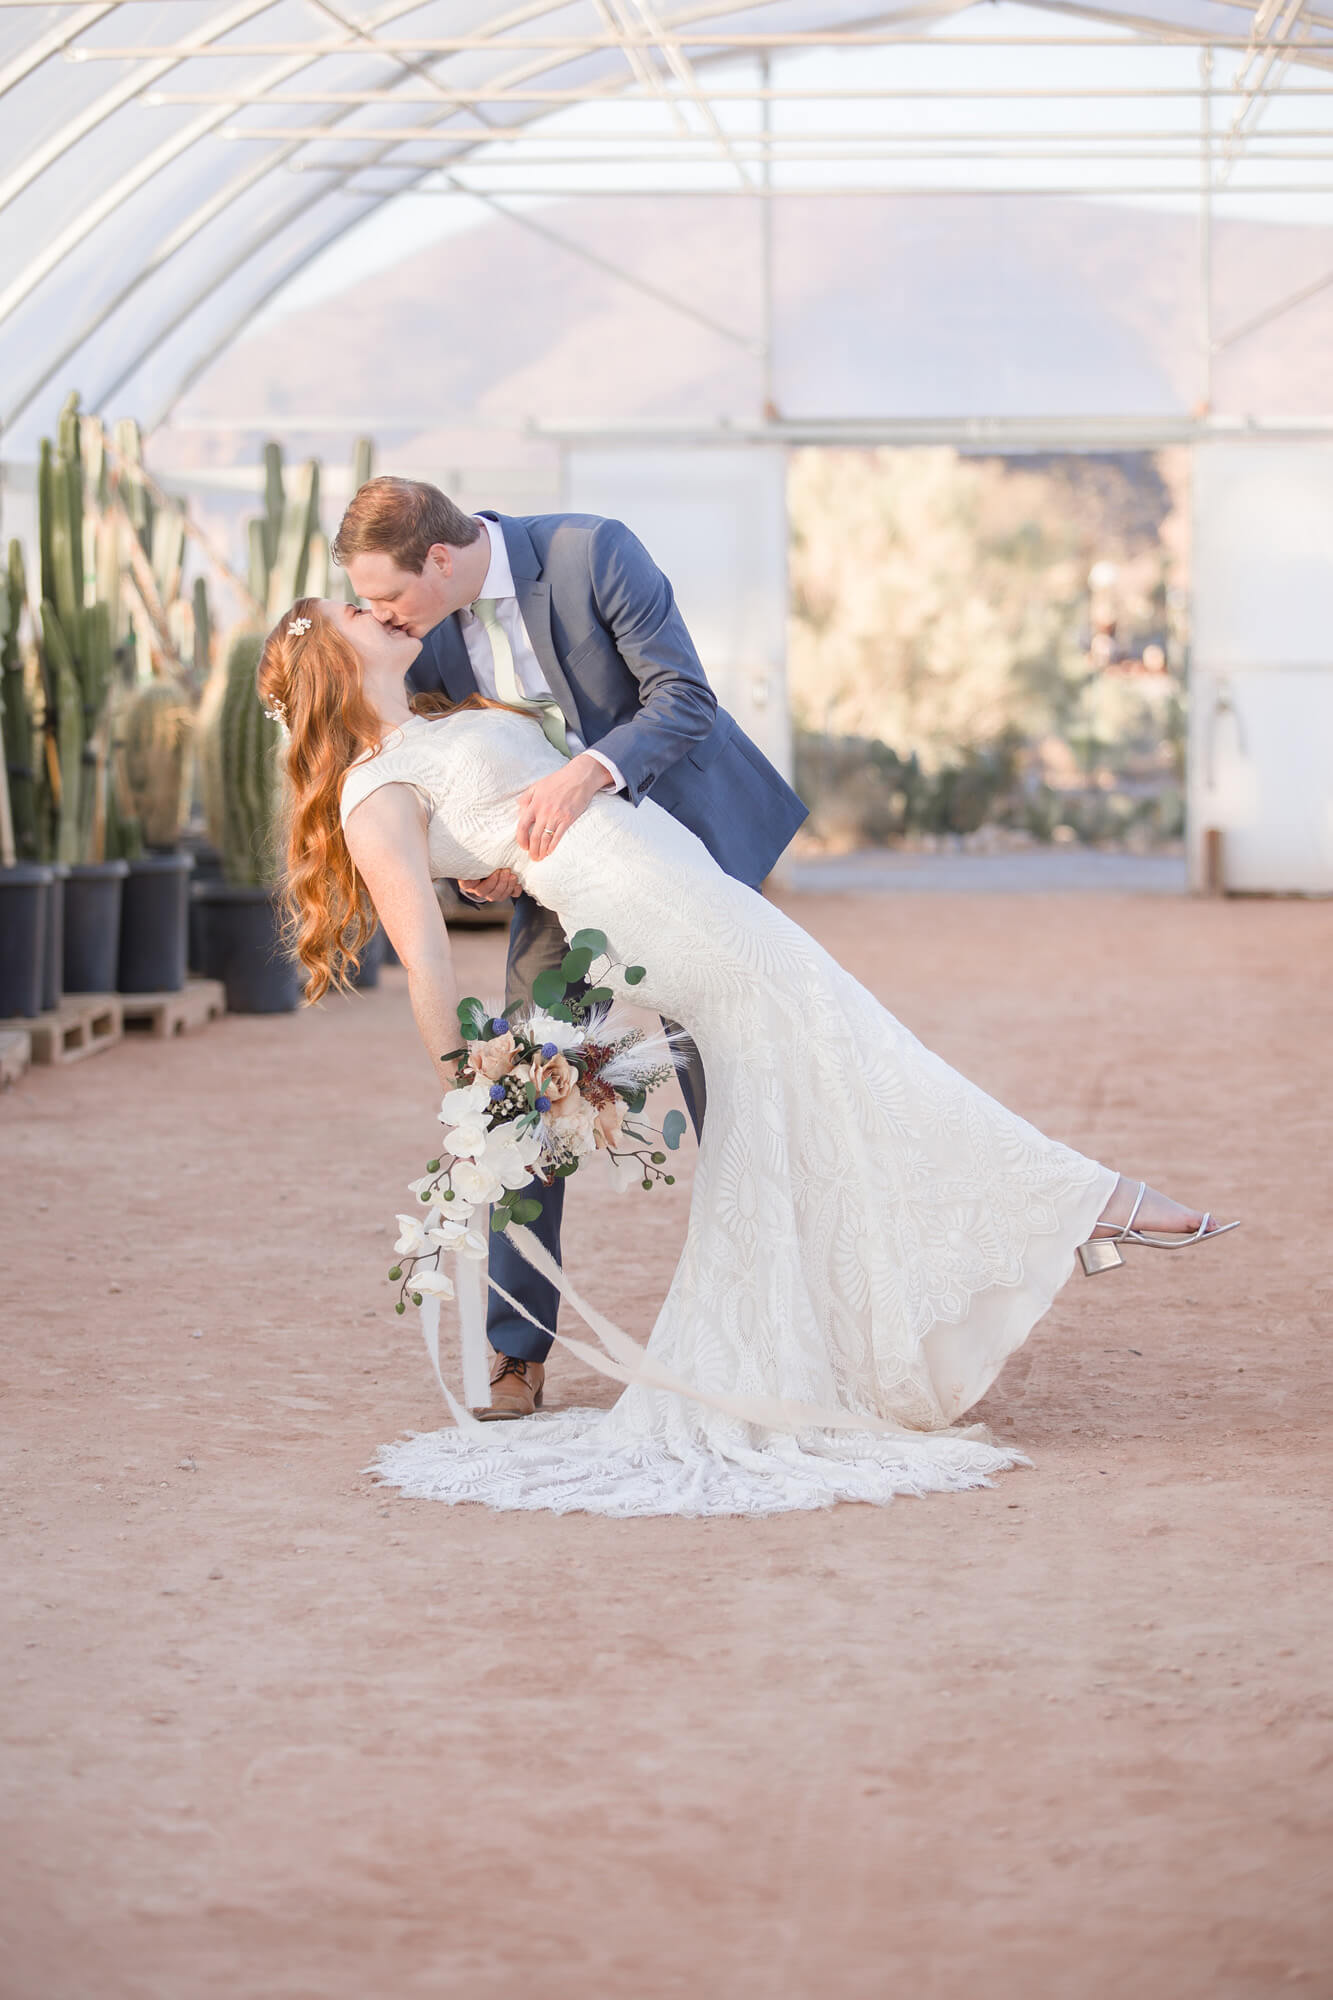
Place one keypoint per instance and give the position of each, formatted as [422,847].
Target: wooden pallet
[15,1054]
[81,1025]
[163,1015]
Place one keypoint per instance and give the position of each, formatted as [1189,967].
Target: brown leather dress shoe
[516,1389]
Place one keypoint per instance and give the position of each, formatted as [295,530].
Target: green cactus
[265,531]
[132,485]
[241,781]
[77,659]
[275,499]
[167,551]
[64,729]
[16,721]
[286,546]
[363,468]
[124,835]
[300,524]
[152,733]
[203,631]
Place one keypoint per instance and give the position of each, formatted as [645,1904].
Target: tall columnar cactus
[77,658]
[152,735]
[16,721]
[239,750]
[203,631]
[363,468]
[288,554]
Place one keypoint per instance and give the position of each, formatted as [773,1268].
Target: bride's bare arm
[386,837]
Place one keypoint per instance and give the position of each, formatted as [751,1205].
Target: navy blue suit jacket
[604,624]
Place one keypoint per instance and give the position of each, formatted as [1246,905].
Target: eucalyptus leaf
[548,988]
[574,965]
[593,942]
[499,1218]
[673,1129]
[526,1211]
[634,974]
[600,996]
[636,1100]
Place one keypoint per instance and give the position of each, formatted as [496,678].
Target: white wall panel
[1261,710]
[716,522]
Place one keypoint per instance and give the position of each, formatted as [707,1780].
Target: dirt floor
[271,1730]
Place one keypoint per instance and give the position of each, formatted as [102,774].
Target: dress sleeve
[363,779]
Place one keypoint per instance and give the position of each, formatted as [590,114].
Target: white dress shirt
[499,584]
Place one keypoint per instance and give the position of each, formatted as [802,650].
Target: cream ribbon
[626,1361]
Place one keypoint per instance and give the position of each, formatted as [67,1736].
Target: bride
[870,1235]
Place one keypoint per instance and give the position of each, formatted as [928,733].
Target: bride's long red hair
[314,678]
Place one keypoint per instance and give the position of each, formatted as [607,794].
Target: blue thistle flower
[543,1103]
[549,1049]
[500,1025]
[497,1093]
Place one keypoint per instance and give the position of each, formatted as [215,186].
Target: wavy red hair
[315,678]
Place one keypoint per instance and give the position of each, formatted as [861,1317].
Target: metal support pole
[1206,232]
[768,408]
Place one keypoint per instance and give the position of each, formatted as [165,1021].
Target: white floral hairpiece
[276,713]
[298,626]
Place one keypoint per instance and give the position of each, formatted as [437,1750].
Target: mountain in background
[885,306]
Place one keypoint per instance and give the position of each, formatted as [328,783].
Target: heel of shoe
[1098,1254]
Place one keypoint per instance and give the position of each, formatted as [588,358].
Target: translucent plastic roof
[166,168]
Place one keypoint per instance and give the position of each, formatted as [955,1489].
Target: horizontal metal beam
[788,141]
[1108,432]
[998,434]
[920,94]
[859,191]
[757,44]
[540,135]
[907,153]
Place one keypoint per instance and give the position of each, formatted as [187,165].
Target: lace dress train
[868,1231]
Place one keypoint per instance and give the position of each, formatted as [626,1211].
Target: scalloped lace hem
[566,1463]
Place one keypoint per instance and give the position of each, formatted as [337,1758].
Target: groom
[566,615]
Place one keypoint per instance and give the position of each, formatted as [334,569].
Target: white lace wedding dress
[868,1231]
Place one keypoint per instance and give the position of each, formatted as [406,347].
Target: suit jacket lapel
[534,603]
[443,662]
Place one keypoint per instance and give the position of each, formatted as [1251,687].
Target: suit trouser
[536,943]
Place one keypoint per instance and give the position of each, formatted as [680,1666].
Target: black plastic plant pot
[93,892]
[199,954]
[372,958]
[25,894]
[154,924]
[53,972]
[240,944]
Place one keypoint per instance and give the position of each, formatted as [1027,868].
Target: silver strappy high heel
[1102,1253]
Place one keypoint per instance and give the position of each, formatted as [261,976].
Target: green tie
[547,711]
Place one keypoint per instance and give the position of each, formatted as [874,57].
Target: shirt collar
[499,576]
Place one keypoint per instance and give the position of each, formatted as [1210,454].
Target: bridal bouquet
[536,1095]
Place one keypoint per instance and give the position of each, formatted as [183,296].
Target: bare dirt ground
[271,1730]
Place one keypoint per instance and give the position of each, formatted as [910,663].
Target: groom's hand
[548,809]
[501,887]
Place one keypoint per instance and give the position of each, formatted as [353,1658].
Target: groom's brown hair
[402,518]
